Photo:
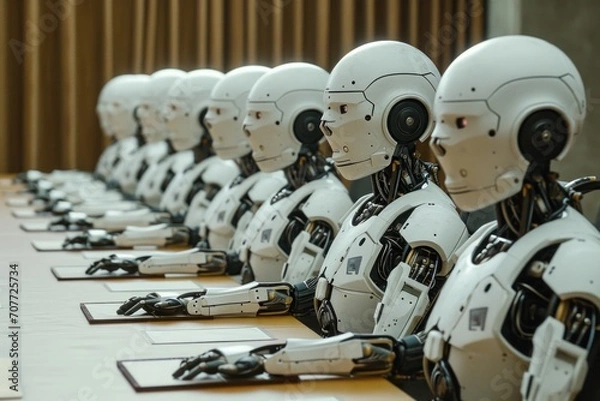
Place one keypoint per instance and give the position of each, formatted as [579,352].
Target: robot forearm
[119,221]
[156,235]
[193,261]
[343,355]
[252,299]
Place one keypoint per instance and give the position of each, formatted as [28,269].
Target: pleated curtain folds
[59,53]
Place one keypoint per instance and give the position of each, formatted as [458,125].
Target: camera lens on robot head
[407,121]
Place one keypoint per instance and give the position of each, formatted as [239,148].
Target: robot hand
[89,240]
[70,221]
[237,361]
[115,262]
[158,305]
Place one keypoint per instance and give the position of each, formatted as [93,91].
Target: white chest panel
[127,148]
[267,227]
[475,302]
[224,214]
[147,155]
[151,187]
[212,171]
[349,265]
[107,160]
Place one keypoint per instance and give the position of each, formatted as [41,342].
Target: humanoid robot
[221,217]
[400,237]
[174,180]
[283,112]
[518,317]
[120,124]
[116,98]
[182,111]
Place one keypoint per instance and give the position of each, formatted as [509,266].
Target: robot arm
[252,299]
[558,367]
[343,355]
[157,235]
[119,220]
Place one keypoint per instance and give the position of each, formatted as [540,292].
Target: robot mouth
[463,189]
[347,163]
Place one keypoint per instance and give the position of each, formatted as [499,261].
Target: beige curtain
[60,53]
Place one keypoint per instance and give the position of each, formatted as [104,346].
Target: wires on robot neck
[308,167]
[247,165]
[204,149]
[406,173]
[541,199]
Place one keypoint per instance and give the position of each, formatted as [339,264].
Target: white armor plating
[466,326]
[246,300]
[158,177]
[192,190]
[261,249]
[223,219]
[349,276]
[343,355]
[128,174]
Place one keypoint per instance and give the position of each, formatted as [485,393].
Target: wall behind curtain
[57,54]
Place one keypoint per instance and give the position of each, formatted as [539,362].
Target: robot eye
[173,107]
[343,108]
[218,111]
[258,115]
[461,122]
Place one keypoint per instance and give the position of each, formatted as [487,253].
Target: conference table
[62,357]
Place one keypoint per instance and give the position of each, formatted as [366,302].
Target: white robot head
[123,104]
[379,96]
[283,113]
[152,99]
[227,108]
[185,106]
[502,107]
[106,96]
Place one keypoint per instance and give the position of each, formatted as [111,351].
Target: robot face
[224,121]
[153,126]
[121,120]
[348,126]
[268,137]
[475,154]
[102,113]
[181,126]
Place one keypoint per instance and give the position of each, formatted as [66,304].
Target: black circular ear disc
[542,136]
[306,127]
[407,121]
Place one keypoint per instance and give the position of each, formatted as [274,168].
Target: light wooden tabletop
[64,358]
